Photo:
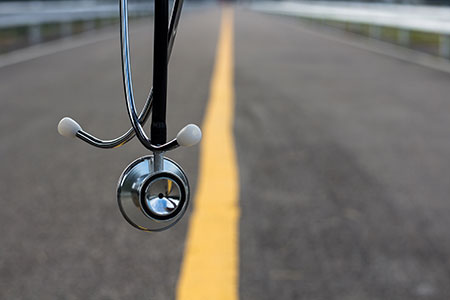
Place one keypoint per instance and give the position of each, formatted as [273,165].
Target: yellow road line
[211,259]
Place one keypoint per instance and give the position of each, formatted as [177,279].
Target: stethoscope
[153,191]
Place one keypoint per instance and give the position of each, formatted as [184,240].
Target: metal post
[88,25]
[375,32]
[158,127]
[444,45]
[403,37]
[34,34]
[65,29]
[158,161]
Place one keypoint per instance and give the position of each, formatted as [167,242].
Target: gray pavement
[62,235]
[344,160]
[344,169]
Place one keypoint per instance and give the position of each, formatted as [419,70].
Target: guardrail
[14,14]
[405,18]
[34,14]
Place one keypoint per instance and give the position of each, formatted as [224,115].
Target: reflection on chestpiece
[151,198]
[153,191]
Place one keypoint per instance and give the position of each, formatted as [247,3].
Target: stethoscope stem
[161,31]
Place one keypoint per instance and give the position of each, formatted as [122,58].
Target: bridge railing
[405,18]
[34,15]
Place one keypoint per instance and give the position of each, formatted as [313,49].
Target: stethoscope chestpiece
[153,198]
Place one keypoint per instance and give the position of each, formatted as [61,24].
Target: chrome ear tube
[153,191]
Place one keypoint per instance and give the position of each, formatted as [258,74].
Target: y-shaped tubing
[128,86]
[145,113]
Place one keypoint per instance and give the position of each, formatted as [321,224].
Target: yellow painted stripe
[210,266]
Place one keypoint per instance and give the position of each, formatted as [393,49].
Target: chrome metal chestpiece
[152,199]
[153,191]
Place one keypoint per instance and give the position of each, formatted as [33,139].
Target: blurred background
[342,131]
[420,24]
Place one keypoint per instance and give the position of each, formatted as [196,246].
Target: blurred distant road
[343,162]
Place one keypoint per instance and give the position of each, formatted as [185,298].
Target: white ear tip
[68,127]
[189,135]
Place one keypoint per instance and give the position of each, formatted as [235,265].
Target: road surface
[343,161]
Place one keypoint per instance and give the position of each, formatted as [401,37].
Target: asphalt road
[343,161]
